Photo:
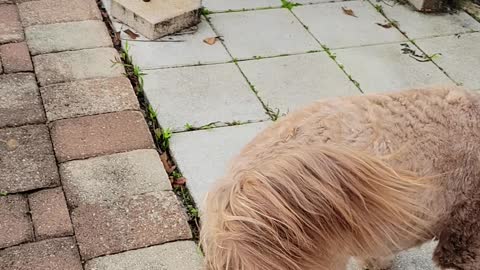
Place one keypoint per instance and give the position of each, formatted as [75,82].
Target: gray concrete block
[181,255]
[157,18]
[203,156]
[222,5]
[201,95]
[69,36]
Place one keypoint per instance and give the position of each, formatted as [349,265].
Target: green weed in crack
[190,127]
[289,5]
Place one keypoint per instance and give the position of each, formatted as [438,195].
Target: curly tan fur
[360,176]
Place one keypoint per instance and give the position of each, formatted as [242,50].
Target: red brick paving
[27,160]
[129,223]
[50,214]
[51,254]
[15,57]
[91,136]
[10,26]
[15,225]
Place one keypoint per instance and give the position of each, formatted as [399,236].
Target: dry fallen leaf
[131,34]
[116,39]
[169,168]
[349,12]
[210,40]
[385,25]
[179,182]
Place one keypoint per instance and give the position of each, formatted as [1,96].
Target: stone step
[157,18]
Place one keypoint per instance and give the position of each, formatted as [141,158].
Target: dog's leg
[379,263]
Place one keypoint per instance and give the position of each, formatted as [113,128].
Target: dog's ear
[459,239]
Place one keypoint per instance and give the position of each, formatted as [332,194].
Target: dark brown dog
[361,176]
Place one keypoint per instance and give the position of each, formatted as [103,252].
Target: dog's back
[362,158]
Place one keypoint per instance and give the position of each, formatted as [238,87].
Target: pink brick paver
[50,214]
[91,136]
[15,225]
[26,159]
[10,26]
[15,57]
[51,254]
[57,11]
[129,223]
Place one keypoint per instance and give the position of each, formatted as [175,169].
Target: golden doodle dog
[363,177]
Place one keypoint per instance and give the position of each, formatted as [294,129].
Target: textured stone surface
[56,11]
[27,159]
[460,57]
[329,24]
[10,26]
[88,97]
[15,225]
[222,5]
[189,50]
[201,95]
[420,25]
[203,155]
[129,223]
[181,255]
[50,214]
[52,254]
[96,135]
[287,83]
[389,69]
[67,36]
[281,33]
[109,178]
[15,57]
[77,65]
[20,101]
[157,18]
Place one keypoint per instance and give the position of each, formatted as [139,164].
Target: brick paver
[50,214]
[109,178]
[20,101]
[27,160]
[15,224]
[96,135]
[129,223]
[77,65]
[56,11]
[180,255]
[15,57]
[69,36]
[52,254]
[10,27]
[88,97]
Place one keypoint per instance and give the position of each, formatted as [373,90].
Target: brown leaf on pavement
[169,168]
[349,12]
[385,25]
[179,182]
[210,40]
[131,34]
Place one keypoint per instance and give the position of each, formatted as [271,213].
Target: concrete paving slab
[50,214]
[157,18]
[51,254]
[222,5]
[333,28]
[460,57]
[201,95]
[15,223]
[290,82]
[10,26]
[77,65]
[109,178]
[178,50]
[57,11]
[130,223]
[104,134]
[202,156]
[20,101]
[420,25]
[88,97]
[383,68]
[69,36]
[267,32]
[15,57]
[181,255]
[27,159]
